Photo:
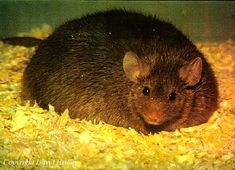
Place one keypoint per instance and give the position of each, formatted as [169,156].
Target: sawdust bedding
[31,137]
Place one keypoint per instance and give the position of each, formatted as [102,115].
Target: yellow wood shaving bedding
[31,137]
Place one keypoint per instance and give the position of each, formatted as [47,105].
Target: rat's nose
[154,117]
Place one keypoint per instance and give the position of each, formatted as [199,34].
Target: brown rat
[123,68]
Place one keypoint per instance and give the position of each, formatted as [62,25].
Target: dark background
[201,21]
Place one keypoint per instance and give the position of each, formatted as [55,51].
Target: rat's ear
[191,72]
[133,67]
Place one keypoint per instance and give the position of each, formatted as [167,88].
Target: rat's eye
[146,91]
[172,96]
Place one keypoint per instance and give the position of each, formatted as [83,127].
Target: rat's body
[125,69]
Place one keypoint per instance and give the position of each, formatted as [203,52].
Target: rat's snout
[154,117]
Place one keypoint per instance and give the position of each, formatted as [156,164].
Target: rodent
[124,68]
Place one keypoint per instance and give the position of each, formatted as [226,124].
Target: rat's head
[159,93]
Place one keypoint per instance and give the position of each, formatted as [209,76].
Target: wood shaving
[33,138]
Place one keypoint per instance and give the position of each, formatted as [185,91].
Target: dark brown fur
[80,67]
